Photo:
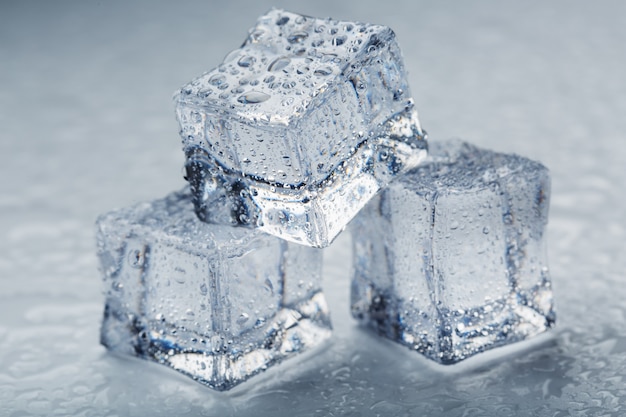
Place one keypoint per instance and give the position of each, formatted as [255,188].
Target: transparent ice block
[450,260]
[296,130]
[214,302]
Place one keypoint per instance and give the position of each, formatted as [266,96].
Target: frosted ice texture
[214,302]
[295,131]
[450,260]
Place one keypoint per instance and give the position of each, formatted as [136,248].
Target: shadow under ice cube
[214,302]
[450,260]
[295,131]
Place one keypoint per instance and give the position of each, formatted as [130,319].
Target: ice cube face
[450,260]
[296,130]
[214,302]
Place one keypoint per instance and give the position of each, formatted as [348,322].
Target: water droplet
[297,37]
[454,225]
[242,318]
[256,36]
[204,93]
[203,289]
[246,61]
[339,40]
[330,58]
[282,21]
[486,230]
[320,72]
[253,97]
[278,64]
[136,258]
[217,79]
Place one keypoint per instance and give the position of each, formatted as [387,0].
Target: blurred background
[87,125]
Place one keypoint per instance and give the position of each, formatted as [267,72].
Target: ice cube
[214,302]
[450,260]
[296,130]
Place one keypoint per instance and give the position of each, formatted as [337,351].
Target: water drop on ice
[297,37]
[282,21]
[323,71]
[136,258]
[242,318]
[217,79]
[339,40]
[253,97]
[279,63]
[246,61]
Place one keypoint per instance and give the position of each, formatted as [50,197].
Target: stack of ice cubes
[290,137]
[305,126]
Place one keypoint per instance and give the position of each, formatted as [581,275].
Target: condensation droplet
[246,61]
[136,258]
[297,37]
[339,40]
[282,21]
[253,97]
[242,318]
[278,64]
[217,79]
[257,35]
[324,71]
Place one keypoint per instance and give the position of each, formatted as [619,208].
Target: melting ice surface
[295,131]
[214,302]
[450,260]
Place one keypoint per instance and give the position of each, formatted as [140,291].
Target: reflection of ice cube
[214,302]
[450,260]
[295,131]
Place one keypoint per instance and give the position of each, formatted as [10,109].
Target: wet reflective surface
[87,124]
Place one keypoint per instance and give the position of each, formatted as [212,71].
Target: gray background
[87,124]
